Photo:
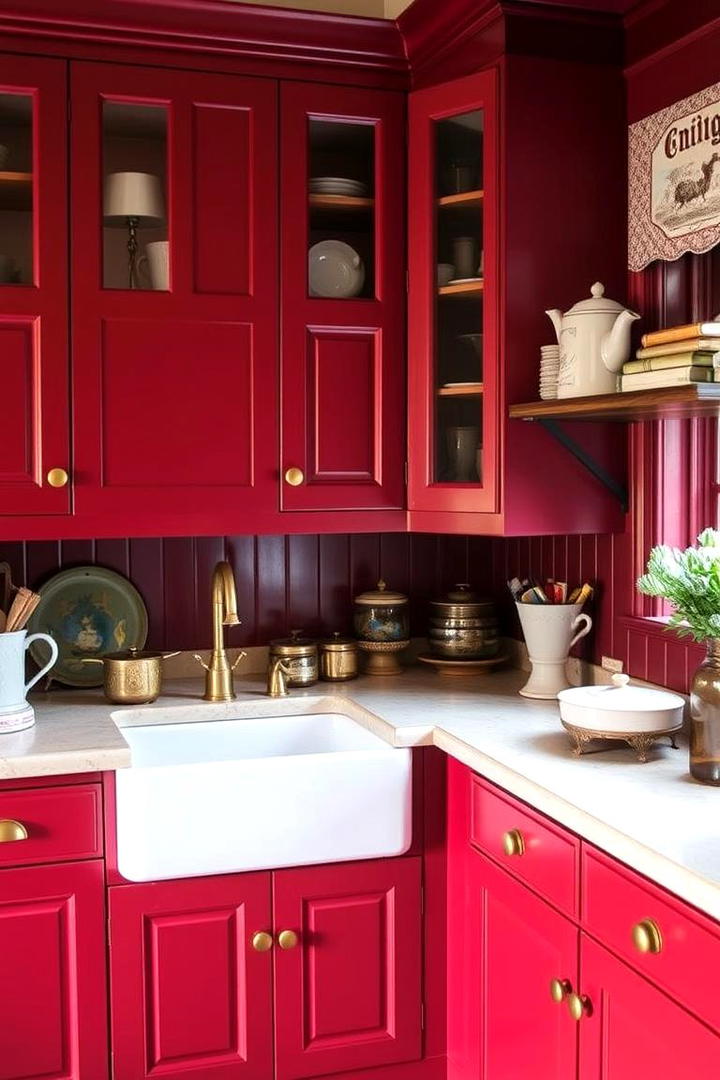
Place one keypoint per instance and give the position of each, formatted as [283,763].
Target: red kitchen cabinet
[174,384]
[33,288]
[342,367]
[190,995]
[486,213]
[632,1030]
[348,993]
[52,973]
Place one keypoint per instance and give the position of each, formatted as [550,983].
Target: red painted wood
[635,1030]
[134,349]
[52,976]
[342,373]
[551,860]
[348,997]
[190,996]
[62,824]
[615,899]
[33,317]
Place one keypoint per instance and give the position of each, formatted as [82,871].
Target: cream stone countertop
[651,816]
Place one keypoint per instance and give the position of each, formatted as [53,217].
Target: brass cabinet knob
[262,941]
[513,842]
[57,478]
[646,937]
[287,939]
[294,477]
[579,1005]
[12,830]
[560,989]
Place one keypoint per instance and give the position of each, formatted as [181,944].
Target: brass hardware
[513,842]
[218,673]
[262,941]
[560,989]
[287,939]
[277,673]
[579,1005]
[12,830]
[294,477]
[646,937]
[57,478]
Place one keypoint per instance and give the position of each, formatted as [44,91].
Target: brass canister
[299,656]
[132,677]
[338,659]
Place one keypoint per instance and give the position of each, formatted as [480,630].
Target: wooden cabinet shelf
[468,289]
[15,191]
[467,199]
[461,391]
[345,203]
[662,403]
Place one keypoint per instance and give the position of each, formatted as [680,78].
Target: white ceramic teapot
[594,339]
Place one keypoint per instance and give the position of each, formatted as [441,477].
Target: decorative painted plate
[89,611]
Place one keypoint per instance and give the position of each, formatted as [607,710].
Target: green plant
[690,581]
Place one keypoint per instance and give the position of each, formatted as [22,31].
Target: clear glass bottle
[705,717]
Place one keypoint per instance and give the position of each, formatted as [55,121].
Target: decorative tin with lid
[338,658]
[463,626]
[381,615]
[299,656]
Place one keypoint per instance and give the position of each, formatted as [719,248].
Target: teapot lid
[599,303]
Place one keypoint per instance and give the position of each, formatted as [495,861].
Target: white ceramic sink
[255,792]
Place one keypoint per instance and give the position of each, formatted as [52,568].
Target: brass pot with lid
[338,658]
[299,656]
[133,676]
[463,626]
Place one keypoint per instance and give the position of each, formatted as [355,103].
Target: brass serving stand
[640,741]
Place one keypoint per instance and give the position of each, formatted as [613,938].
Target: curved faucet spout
[223,592]
[218,676]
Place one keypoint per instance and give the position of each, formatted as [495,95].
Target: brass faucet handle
[276,685]
[240,656]
[198,657]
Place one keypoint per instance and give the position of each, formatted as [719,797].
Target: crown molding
[214,27]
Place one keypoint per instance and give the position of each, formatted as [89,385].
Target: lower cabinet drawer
[46,825]
[526,843]
[669,942]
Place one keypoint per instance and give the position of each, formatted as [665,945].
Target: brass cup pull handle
[12,830]
[294,477]
[287,939]
[646,937]
[579,1005]
[513,842]
[57,478]
[560,989]
[262,941]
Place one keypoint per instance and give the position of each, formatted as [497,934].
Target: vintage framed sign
[674,180]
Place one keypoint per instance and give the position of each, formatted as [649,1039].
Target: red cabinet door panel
[33,316]
[52,973]
[190,995]
[634,1030]
[348,996]
[524,944]
[342,360]
[176,390]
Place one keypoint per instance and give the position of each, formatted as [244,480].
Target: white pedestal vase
[550,631]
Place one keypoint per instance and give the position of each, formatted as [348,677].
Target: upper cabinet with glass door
[35,474]
[343,298]
[174,217]
[453,298]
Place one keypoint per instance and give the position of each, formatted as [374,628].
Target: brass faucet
[218,677]
[276,685]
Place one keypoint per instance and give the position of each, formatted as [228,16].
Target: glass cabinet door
[343,271]
[35,474]
[453,350]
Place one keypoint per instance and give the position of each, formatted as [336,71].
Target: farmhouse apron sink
[251,792]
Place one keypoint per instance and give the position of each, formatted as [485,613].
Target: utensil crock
[14,710]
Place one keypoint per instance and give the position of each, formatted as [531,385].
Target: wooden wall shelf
[467,199]
[468,289]
[663,403]
[347,203]
[16,191]
[461,391]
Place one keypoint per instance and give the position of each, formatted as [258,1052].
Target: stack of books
[675,356]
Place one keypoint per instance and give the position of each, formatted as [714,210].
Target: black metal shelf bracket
[618,490]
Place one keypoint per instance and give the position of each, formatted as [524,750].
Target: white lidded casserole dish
[621,708]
